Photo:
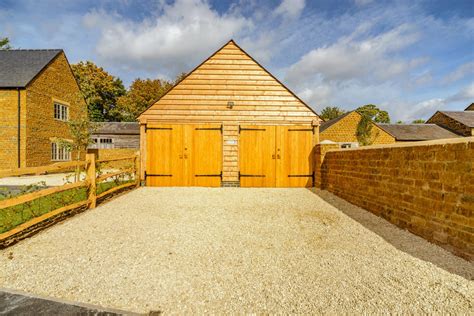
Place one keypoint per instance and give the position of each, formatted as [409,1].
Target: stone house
[459,122]
[38,95]
[416,132]
[343,130]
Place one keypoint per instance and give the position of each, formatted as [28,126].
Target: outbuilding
[229,122]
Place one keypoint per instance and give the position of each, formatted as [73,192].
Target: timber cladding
[427,188]
[232,90]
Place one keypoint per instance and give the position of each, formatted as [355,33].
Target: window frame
[59,153]
[60,111]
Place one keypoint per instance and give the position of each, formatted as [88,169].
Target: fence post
[137,168]
[90,178]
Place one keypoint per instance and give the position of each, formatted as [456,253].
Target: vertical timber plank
[90,178]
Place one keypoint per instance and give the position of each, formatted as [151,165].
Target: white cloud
[466,94]
[427,108]
[180,36]
[370,59]
[290,9]
[459,73]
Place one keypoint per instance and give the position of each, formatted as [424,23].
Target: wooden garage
[229,122]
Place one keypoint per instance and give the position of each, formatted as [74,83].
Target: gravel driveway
[231,250]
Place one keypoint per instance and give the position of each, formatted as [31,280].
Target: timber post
[137,168]
[90,178]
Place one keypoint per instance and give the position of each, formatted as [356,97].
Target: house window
[106,143]
[349,145]
[61,112]
[60,153]
[102,143]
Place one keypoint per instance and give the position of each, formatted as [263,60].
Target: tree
[331,112]
[81,129]
[101,90]
[370,113]
[5,43]
[374,113]
[418,121]
[141,94]
[399,122]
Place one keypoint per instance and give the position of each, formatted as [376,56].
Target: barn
[229,122]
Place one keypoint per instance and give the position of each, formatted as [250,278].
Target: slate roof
[463,117]
[118,128]
[415,132]
[327,124]
[19,66]
[470,107]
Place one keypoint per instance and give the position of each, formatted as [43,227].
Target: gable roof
[230,42]
[464,117]
[327,124]
[19,67]
[117,128]
[415,132]
[470,107]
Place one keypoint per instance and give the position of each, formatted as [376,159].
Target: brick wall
[9,128]
[344,131]
[56,82]
[451,124]
[425,187]
[230,165]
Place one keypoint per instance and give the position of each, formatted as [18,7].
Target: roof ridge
[32,49]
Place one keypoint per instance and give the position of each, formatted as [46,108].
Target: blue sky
[409,57]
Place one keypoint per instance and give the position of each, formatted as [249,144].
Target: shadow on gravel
[401,239]
[19,303]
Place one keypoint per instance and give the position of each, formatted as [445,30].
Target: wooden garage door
[184,155]
[276,156]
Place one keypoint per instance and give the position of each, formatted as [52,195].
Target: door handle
[273,156]
[278,156]
[185,156]
[180,156]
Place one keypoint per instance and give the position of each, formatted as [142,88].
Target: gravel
[235,250]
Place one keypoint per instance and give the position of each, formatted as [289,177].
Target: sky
[410,58]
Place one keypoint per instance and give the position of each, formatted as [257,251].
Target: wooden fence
[92,179]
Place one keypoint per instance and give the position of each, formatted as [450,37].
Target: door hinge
[251,175]
[312,176]
[209,175]
[156,175]
[209,129]
[157,128]
[301,130]
[251,129]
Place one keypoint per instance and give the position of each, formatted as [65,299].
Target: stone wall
[425,187]
[230,165]
[450,124]
[345,131]
[55,83]
[9,128]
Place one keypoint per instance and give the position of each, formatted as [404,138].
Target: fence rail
[41,169]
[92,180]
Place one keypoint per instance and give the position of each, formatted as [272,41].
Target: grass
[10,217]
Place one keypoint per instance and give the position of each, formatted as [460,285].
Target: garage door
[276,156]
[184,155]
